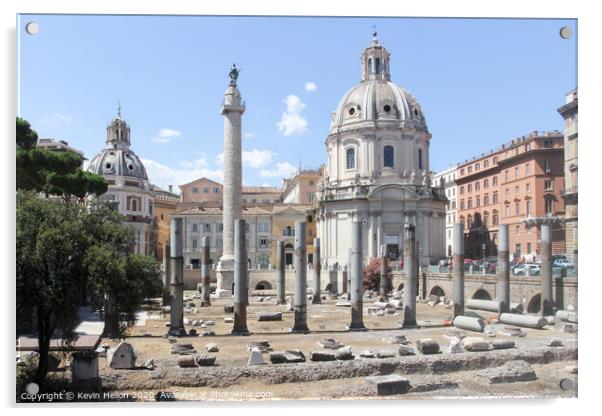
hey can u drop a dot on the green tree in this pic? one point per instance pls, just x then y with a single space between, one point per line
52 172
49 255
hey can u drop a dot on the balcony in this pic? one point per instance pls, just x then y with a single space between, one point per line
569 191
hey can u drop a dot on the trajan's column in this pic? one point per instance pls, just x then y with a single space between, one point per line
232 109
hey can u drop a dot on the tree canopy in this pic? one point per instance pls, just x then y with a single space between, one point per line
52 172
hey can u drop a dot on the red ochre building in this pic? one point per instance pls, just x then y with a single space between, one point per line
521 179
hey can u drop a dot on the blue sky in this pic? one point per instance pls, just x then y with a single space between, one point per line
481 82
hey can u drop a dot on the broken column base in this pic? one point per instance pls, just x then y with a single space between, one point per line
177 332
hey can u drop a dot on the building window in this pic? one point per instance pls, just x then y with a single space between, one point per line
495 198
528 188
194 243
485 183
549 205
207 227
516 173
310 218
546 166
506 175
507 193
195 190
516 190
528 207
486 218
517 229
462 220
195 227
494 181
469 203
216 190
478 201
288 232
161 216
311 183
495 160
389 157
486 200
462 204
220 227
527 169
263 243
469 170
469 188
205 190
528 248
263 260
219 243
351 158
517 208
461 172
264 227
547 185
507 210
477 186
547 144
461 190
420 159
495 218
469 221
486 163
453 204
477 166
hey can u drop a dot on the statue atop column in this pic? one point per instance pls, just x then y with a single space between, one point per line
233 75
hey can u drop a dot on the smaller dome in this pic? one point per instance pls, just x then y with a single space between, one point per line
118 162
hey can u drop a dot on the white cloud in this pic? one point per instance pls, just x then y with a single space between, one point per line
310 86
165 135
163 176
254 158
57 118
282 170
249 135
169 133
292 122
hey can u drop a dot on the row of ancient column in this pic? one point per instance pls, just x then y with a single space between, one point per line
503 271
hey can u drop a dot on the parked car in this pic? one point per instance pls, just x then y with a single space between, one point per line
564 263
521 269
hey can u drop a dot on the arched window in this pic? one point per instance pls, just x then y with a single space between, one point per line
134 205
420 159
369 65
377 66
388 157
195 227
351 158
495 217
486 218
469 221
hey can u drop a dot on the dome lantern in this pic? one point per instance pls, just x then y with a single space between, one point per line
375 62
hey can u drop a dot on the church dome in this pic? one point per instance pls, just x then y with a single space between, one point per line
372 100
376 97
118 162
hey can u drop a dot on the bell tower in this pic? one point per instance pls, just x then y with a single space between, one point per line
118 132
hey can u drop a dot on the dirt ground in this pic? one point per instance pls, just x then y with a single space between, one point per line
329 321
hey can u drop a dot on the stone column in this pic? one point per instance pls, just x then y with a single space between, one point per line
300 325
205 277
176 326
458 270
317 270
280 279
547 302
240 280
333 280
166 274
371 244
356 287
411 274
384 279
348 275
503 269
232 110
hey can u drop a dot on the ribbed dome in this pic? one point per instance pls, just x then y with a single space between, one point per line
373 100
119 162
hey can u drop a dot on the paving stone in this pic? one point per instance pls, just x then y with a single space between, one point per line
294 356
269 316
427 346
187 361
344 354
473 344
405 350
255 358
510 372
367 354
330 343
389 384
212 347
322 356
502 344
205 360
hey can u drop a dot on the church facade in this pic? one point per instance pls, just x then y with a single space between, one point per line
129 188
378 171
